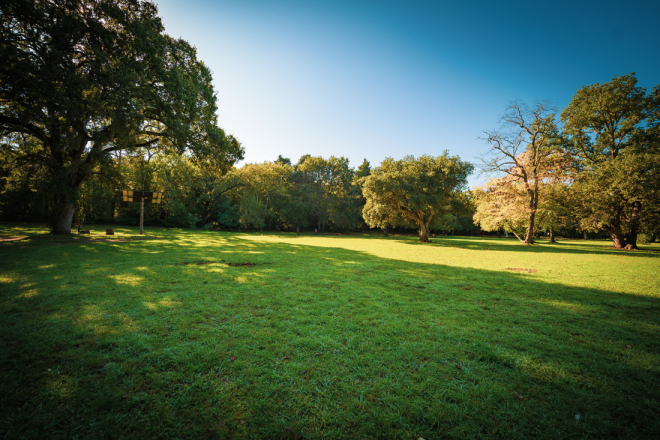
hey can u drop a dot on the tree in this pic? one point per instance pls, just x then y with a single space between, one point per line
283 160
507 202
558 208
87 78
612 132
253 212
25 192
503 203
327 188
363 170
356 192
632 182
413 190
267 182
463 209
523 148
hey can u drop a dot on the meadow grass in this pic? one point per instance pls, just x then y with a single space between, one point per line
201 334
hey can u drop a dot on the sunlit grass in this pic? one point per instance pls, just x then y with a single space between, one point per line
197 334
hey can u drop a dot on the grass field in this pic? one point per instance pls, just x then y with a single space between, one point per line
193 334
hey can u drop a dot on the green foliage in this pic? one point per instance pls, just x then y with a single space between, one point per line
253 212
283 160
262 189
327 186
363 170
645 239
228 215
25 191
193 220
86 78
604 120
612 133
617 185
413 191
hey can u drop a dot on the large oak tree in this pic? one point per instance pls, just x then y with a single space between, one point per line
413 190
86 78
613 130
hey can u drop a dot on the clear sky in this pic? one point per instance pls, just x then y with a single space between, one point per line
372 79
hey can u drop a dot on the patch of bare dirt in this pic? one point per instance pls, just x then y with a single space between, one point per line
201 263
194 263
520 269
241 264
12 238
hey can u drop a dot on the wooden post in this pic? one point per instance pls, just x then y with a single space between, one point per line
142 216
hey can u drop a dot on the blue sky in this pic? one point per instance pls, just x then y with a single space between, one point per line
372 79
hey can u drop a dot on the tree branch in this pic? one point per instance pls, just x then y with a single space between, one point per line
27 128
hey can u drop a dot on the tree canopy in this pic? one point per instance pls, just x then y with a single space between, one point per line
83 79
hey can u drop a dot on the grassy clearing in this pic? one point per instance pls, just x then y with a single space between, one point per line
174 336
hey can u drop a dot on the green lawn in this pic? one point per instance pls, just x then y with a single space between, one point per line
172 336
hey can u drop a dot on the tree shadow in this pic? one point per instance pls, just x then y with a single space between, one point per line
503 244
136 339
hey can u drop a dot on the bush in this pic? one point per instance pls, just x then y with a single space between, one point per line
644 239
194 220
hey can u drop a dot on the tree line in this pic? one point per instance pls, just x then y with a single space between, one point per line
95 97
314 193
595 166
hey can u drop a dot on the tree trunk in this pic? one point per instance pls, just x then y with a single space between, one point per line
617 238
62 220
141 216
529 236
385 233
615 232
631 243
423 233
552 236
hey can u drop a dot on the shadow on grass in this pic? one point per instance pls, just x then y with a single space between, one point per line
541 246
172 339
